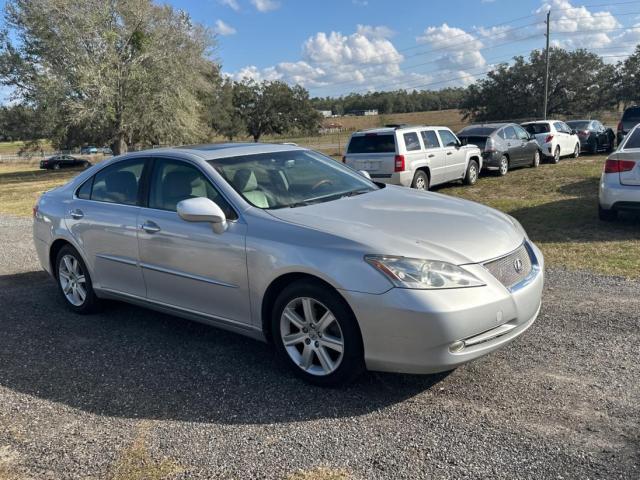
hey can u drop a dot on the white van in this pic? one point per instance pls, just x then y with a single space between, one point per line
419 157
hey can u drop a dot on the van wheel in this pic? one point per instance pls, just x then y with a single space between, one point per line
420 181
316 335
472 173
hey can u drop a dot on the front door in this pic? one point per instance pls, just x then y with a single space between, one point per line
455 157
435 156
186 264
102 218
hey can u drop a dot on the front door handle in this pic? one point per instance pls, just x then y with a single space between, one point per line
431 155
449 153
76 214
150 227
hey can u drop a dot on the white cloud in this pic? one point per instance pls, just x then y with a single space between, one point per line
265 5
360 3
233 4
453 47
223 29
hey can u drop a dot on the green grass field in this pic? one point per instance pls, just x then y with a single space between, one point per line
557 205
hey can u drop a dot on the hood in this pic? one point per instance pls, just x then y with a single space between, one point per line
401 221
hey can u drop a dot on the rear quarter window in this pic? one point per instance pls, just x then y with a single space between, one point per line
634 140
372 143
411 141
535 128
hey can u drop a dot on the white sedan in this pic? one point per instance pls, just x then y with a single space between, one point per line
555 139
620 181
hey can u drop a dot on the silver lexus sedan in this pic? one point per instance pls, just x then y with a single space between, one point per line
285 245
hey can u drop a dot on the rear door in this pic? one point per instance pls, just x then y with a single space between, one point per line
372 152
435 156
528 146
514 145
563 138
413 152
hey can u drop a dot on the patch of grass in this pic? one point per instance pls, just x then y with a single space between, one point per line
558 206
321 473
21 186
136 463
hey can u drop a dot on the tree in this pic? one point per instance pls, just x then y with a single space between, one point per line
269 108
115 71
579 83
629 78
225 118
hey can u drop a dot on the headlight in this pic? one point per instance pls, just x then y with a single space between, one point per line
422 274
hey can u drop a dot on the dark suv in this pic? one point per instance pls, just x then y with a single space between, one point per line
630 118
503 145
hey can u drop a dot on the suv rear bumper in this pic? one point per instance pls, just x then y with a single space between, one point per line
398 178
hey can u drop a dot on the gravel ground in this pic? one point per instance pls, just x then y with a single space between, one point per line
130 393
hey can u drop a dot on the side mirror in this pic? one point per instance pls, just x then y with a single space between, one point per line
202 209
573 131
365 174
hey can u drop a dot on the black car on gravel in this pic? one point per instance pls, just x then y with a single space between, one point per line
594 136
503 145
63 161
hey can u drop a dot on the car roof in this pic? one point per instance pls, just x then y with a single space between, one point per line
213 151
381 130
489 125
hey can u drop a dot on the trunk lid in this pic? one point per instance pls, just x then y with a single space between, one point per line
629 177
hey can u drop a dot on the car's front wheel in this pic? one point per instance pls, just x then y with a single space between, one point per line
316 334
471 176
74 281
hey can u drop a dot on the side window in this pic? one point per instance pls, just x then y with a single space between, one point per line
411 141
559 127
522 135
118 183
84 192
173 181
502 134
448 138
430 139
510 133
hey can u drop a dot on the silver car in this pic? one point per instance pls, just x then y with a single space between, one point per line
620 180
285 245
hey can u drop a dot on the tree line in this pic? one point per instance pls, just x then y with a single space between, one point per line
129 73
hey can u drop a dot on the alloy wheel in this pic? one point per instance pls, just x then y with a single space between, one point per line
72 280
556 155
536 159
312 336
421 184
576 151
504 166
473 174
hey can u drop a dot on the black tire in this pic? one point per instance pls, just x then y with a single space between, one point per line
593 147
471 176
556 155
503 166
535 163
56 166
86 165
576 151
91 302
607 215
420 181
352 362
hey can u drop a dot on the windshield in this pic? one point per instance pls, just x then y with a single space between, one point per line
631 114
579 124
290 179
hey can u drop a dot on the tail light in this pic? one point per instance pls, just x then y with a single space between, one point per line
584 133
620 127
399 163
490 146
548 139
619 166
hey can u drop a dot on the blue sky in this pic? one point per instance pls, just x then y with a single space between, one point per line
334 47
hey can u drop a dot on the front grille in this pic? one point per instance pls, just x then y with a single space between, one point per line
506 270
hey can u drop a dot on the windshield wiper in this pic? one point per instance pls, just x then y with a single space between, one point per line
328 198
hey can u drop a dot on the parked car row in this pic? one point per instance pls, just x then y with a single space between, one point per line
424 156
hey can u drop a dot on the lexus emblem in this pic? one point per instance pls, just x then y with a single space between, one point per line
517 265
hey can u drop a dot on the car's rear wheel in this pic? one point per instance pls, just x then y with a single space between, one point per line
556 155
535 163
503 166
74 281
593 147
607 215
56 166
420 181
316 334
471 177
576 151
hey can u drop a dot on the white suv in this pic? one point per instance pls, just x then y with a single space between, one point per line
419 157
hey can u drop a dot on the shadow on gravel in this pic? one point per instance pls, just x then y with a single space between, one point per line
135 363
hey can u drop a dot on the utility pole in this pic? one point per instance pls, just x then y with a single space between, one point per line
546 77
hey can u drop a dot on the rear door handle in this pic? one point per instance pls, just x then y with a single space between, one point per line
150 227
76 214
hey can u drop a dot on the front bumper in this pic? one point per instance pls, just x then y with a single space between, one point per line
614 195
415 331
